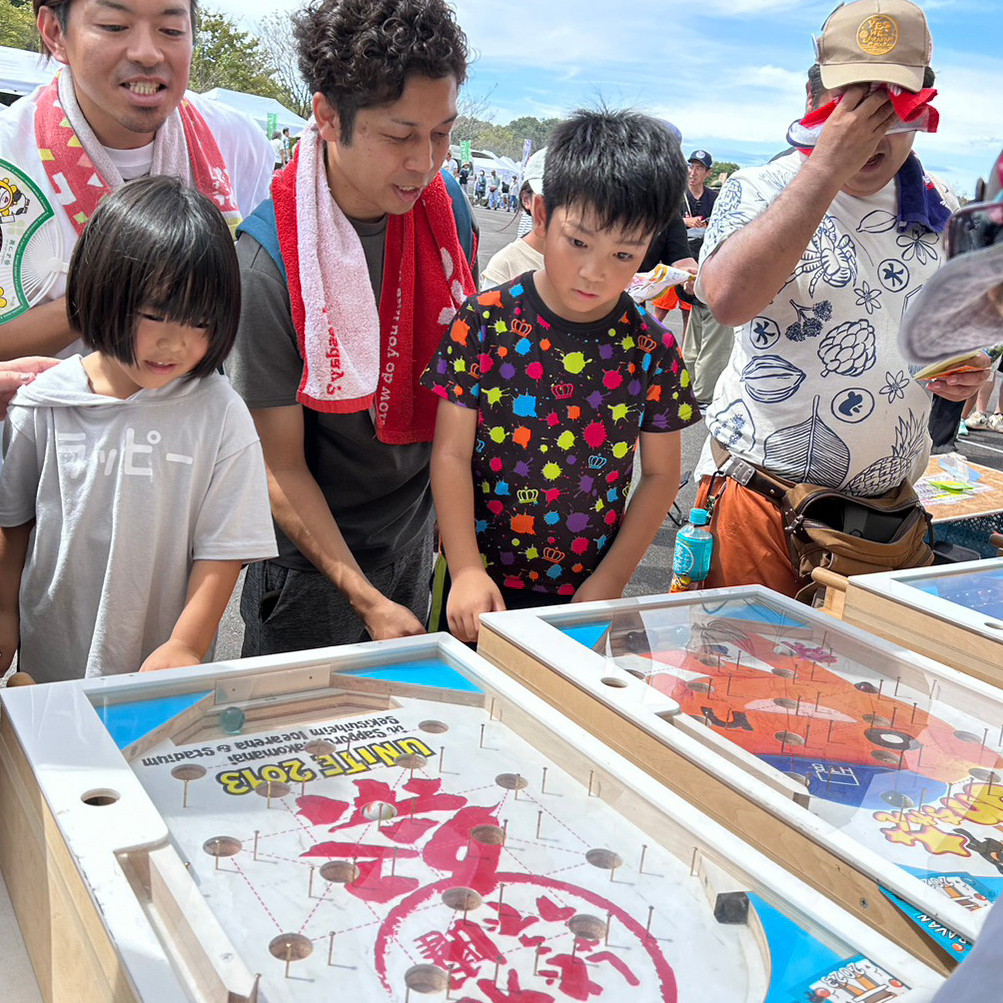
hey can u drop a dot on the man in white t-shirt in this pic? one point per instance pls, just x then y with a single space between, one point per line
814 259
119 111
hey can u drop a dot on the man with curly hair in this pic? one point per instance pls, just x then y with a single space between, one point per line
351 273
814 258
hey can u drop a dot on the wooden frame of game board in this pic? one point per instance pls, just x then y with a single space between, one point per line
108 911
731 786
888 606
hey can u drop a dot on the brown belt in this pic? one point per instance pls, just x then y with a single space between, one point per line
747 475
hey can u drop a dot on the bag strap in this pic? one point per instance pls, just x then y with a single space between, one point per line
749 476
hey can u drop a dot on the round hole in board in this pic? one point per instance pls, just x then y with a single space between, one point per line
789 738
605 860
990 776
897 799
488 835
587 927
461 899
98 799
411 761
798 778
339 872
290 947
617 684
967 736
426 979
434 727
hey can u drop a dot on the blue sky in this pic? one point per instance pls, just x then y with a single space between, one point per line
728 73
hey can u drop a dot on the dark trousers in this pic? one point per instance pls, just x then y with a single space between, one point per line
945 417
288 610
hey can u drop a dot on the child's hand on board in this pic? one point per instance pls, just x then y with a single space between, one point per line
10 637
170 655
387 620
596 586
471 593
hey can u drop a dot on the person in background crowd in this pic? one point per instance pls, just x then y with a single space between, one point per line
121 90
816 389
494 196
525 253
708 343
351 273
278 149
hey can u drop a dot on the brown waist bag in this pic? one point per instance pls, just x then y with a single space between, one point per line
853 536
845 534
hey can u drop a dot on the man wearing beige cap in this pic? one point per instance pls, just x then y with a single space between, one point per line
814 258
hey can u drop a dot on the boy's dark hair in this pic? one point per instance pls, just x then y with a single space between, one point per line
154 245
817 90
625 166
359 53
61 11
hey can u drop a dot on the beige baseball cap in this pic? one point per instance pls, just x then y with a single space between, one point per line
875 40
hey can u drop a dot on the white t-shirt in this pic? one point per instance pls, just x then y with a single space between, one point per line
126 495
132 164
246 152
510 262
816 388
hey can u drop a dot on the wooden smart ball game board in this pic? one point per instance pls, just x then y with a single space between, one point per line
953 613
871 772
396 821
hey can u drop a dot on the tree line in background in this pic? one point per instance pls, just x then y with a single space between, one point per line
266 64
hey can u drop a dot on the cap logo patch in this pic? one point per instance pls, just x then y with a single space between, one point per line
878 35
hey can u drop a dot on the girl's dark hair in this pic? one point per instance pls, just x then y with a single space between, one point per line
526 192
625 166
154 245
359 53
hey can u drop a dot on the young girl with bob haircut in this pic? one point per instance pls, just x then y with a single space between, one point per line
133 486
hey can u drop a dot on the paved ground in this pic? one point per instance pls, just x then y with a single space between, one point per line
499 228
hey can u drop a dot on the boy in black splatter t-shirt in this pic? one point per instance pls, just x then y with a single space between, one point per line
549 382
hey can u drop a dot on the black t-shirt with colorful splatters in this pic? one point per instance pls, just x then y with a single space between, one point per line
560 408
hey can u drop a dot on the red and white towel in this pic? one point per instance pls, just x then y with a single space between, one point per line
357 356
914 113
79 167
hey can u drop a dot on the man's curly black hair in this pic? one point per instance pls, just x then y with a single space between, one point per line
359 53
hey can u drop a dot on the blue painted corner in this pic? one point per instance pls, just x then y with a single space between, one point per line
129 722
588 634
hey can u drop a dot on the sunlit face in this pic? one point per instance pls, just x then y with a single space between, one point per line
130 61
697 174
395 151
165 352
891 153
585 268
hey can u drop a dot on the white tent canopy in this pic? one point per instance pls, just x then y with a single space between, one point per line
258 108
22 71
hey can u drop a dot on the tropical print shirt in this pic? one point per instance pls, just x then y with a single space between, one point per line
816 389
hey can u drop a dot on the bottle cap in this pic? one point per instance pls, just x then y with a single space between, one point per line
698 516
